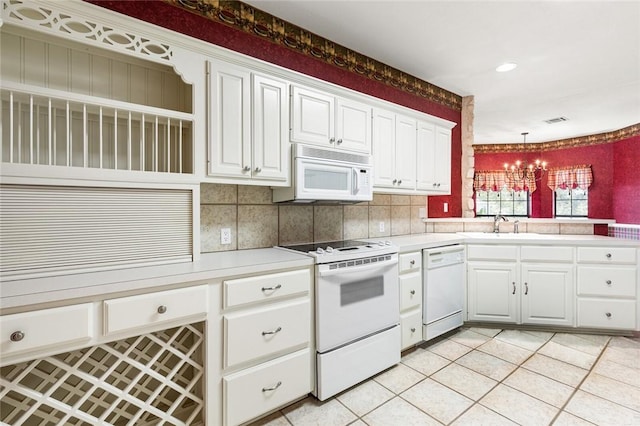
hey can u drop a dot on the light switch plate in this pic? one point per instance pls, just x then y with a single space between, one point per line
381 227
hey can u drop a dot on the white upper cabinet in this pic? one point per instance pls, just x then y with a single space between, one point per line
248 126
320 118
394 151
434 159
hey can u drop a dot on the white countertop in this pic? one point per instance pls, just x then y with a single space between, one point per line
415 242
211 266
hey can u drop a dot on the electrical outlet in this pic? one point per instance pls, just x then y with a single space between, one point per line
225 236
446 207
381 227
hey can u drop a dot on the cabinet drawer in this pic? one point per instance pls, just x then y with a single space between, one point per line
47 327
607 313
606 255
265 331
266 287
409 262
606 281
410 291
546 254
492 252
411 328
254 391
138 311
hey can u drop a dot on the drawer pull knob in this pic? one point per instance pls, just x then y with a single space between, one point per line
162 309
526 289
277 330
608 255
258 169
608 282
514 287
274 288
339 141
608 314
272 388
246 168
413 329
413 292
16 336
413 262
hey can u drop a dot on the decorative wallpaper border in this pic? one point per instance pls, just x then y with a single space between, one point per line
602 138
253 21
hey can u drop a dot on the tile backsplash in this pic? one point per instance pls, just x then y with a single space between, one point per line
257 222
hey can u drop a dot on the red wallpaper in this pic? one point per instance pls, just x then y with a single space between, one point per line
167 16
626 180
614 192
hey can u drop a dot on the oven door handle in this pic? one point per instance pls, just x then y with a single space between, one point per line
370 268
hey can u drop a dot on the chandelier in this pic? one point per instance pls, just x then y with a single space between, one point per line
523 171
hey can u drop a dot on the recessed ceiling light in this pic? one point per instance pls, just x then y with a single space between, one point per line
507 66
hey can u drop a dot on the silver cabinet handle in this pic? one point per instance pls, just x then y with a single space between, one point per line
332 140
526 289
395 181
413 329
413 262
274 288
258 169
339 141
438 184
162 309
412 292
608 255
272 388
246 169
277 330
399 181
608 314
514 287
608 282
16 336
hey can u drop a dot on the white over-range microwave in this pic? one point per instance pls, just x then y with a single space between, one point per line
321 174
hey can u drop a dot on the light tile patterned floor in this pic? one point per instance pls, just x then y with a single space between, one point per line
482 376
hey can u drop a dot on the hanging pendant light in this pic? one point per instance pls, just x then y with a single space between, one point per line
524 171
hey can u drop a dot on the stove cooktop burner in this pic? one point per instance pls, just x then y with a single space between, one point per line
331 251
336 245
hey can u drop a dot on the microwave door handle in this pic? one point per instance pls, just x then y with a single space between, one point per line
356 181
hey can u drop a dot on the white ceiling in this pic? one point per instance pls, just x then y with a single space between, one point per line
576 59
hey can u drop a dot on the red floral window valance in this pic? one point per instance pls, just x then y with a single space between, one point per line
496 180
570 177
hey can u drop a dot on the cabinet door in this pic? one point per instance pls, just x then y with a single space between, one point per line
442 156
312 116
434 159
492 292
547 294
353 126
384 153
405 152
426 148
271 151
230 121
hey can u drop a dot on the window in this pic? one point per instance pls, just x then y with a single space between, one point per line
504 202
571 202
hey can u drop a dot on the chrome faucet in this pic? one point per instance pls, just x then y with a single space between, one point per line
516 225
496 222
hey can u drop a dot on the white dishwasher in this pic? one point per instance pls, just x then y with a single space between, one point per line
443 290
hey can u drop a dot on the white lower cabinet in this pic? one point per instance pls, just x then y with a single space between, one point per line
46 328
548 295
257 390
492 292
410 282
267 352
607 288
504 287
